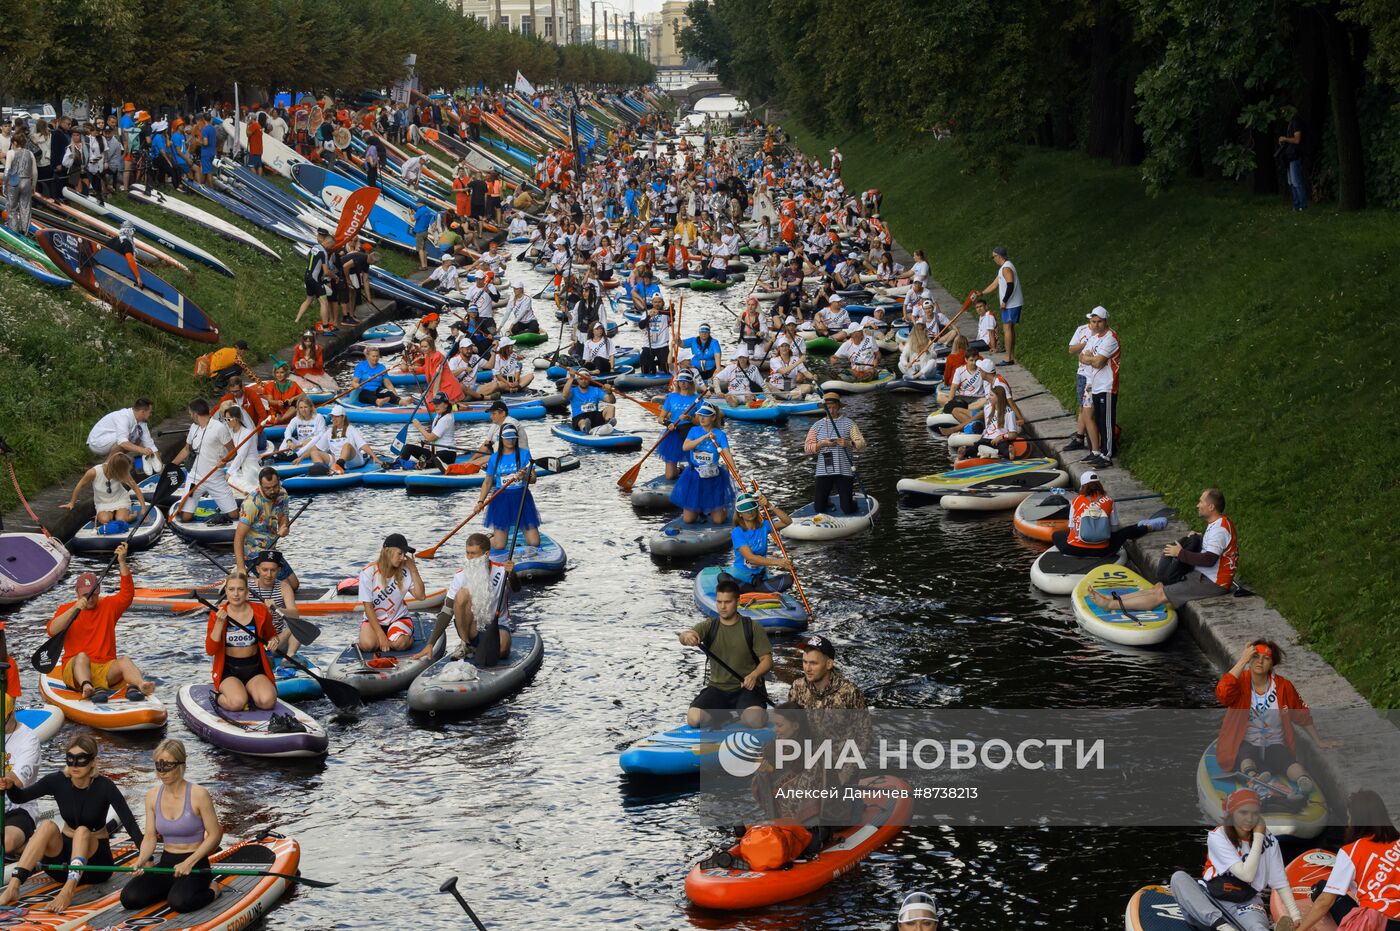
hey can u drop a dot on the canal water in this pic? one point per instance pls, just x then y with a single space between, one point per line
526 802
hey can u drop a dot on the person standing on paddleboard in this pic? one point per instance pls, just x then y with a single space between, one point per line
735 642
832 440
211 445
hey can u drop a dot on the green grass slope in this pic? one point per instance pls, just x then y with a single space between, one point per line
1259 355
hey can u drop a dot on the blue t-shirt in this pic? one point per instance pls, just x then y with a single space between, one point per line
209 139
757 542
422 219
177 149
591 398
676 404
647 291
501 466
703 356
375 374
705 457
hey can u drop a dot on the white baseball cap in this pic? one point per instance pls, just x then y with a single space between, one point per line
504 342
986 365
518 285
790 319
1101 312
337 411
1088 477
854 328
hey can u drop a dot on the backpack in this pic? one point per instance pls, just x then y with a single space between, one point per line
1094 524
712 632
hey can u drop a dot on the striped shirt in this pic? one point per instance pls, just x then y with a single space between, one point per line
834 460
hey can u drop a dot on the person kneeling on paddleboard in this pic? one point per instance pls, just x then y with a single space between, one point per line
1242 860
470 602
187 839
592 408
736 643
1093 523
90 662
235 638
384 589
750 537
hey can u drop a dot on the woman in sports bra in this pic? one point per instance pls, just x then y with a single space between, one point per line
182 815
235 638
79 835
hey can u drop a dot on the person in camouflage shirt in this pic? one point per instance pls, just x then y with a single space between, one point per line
836 709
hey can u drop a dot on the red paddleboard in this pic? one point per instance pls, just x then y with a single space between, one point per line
1306 870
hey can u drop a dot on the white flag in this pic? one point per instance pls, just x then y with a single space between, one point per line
522 85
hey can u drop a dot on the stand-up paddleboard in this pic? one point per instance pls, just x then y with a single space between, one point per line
30 564
972 474
1307 870
106 275
250 732
882 379
1138 627
276 155
272 222
777 613
1042 514
452 686
654 494
202 217
156 233
115 713
1299 817
352 665
1057 573
1154 908
679 539
33 267
832 523
58 215
685 750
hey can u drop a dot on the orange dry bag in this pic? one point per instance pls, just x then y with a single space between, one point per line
773 846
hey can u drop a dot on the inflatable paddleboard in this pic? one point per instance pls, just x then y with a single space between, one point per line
1057 573
1135 628
39 270
546 562
89 540
1154 908
1042 514
832 524
679 539
452 686
117 713
249 732
779 613
292 683
203 218
30 564
616 441
841 386
654 494
685 750
351 666
971 474
1307 870
44 722
1213 786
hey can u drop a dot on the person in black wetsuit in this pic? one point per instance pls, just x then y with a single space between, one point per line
79 836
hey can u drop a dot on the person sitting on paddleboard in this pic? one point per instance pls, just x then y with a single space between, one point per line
592 408
598 351
1093 523
971 385
112 486
1363 872
1242 860
832 321
704 487
432 370
1256 737
1208 572
267 586
438 449
339 446
308 359
917 359
281 394
507 511
751 538
741 644
370 374
385 585
751 326
470 600
918 912
788 377
705 353
79 836
859 351
300 430
741 379
507 373
1001 428
788 335
21 766
209 441
182 815
90 661
520 310
236 635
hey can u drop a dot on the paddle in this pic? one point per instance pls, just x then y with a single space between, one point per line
431 552
933 340
629 478
341 694
451 886
5 665
212 871
729 669
305 631
854 473
47 656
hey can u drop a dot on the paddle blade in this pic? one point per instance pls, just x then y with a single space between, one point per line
305 631
629 478
164 494
46 657
652 406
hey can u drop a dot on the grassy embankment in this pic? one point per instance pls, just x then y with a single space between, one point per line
1259 355
68 360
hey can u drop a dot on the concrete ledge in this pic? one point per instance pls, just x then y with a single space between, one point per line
64 524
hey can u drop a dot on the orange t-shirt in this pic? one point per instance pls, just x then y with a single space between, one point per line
255 138
94 632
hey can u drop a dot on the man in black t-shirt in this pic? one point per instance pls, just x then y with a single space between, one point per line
1291 153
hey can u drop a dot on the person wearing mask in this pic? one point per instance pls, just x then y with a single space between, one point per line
181 814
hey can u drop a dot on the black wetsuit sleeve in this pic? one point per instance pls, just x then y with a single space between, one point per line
112 796
1197 559
36 789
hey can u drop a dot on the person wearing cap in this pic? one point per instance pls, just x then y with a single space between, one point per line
444 278
822 690
1098 405
740 380
385 586
971 386
512 509
846 274
210 445
1243 850
717 265
267 586
705 352
500 419
481 296
788 376
597 352
372 377
788 334
520 311
592 408
262 523
507 373
1001 427
656 337
677 416
466 361
704 487
832 321
439 440
339 446
1009 297
859 352
1092 529
832 439
918 911
317 280
750 537
733 642
90 661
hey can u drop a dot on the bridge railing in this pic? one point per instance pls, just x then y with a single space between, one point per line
681 79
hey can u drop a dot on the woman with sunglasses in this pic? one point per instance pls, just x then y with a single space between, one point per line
1242 860
79 836
182 815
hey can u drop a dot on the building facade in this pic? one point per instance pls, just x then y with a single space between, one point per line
673 20
552 20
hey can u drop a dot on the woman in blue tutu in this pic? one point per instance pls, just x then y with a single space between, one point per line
507 460
704 487
678 409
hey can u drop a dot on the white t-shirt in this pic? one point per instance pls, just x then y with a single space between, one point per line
740 380
1106 345
1265 721
506 367
834 319
388 602
919 272
444 430
986 326
1221 855
1081 335
597 349
863 353
118 427
780 381
332 445
495 432
1215 540
22 759
210 443
300 432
